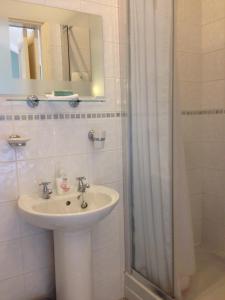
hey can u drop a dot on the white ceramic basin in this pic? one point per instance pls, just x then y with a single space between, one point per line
65 212
72 235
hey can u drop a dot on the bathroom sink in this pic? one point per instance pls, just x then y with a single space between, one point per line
72 226
65 212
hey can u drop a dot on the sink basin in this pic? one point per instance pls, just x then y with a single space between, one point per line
65 212
72 234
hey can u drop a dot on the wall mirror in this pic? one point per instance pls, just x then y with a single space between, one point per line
44 49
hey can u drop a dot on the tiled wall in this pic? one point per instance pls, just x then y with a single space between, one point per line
213 96
26 253
188 92
204 130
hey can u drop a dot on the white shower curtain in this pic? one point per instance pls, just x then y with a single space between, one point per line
151 141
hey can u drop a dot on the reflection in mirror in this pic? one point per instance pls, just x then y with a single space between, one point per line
25 50
28 41
50 49
76 53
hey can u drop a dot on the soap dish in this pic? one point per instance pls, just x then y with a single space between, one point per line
17 141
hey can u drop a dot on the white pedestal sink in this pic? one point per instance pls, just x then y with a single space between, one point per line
72 235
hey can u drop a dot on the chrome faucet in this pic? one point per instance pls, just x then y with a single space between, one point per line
81 185
46 191
82 189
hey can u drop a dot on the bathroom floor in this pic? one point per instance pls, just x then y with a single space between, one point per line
208 283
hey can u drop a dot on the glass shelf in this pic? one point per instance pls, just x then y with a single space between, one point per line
33 101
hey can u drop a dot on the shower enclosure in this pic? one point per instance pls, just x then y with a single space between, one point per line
148 151
159 226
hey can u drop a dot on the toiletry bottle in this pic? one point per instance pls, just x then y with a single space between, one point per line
62 183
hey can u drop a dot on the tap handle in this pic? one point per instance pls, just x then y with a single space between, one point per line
45 183
81 182
81 178
46 189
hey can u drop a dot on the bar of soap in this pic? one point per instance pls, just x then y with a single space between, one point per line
63 93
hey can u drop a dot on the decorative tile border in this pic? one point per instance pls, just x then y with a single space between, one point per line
59 116
203 112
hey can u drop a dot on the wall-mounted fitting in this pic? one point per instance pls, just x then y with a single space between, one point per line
17 141
74 103
97 137
32 101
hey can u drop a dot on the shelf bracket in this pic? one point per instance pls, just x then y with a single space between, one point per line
32 101
74 103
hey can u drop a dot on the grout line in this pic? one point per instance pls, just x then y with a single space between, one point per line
26 273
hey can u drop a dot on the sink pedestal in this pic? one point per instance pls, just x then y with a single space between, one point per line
73 265
72 234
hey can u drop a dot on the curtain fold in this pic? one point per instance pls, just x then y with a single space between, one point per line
151 140
151 178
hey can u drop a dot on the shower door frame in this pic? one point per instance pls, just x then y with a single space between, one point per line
136 286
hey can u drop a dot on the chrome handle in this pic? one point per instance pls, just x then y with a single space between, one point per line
45 183
81 185
46 189
81 178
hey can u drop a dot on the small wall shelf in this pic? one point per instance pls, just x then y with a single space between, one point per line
33 100
17 141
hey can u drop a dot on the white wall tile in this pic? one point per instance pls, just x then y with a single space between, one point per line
9 228
70 137
219 10
195 181
66 4
212 10
12 288
213 235
37 251
7 153
190 95
108 275
213 182
213 94
109 54
192 11
10 259
40 283
8 182
213 36
208 11
5 106
106 166
214 208
200 43
213 65
204 135
188 37
27 229
213 155
197 217
39 133
193 155
189 66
